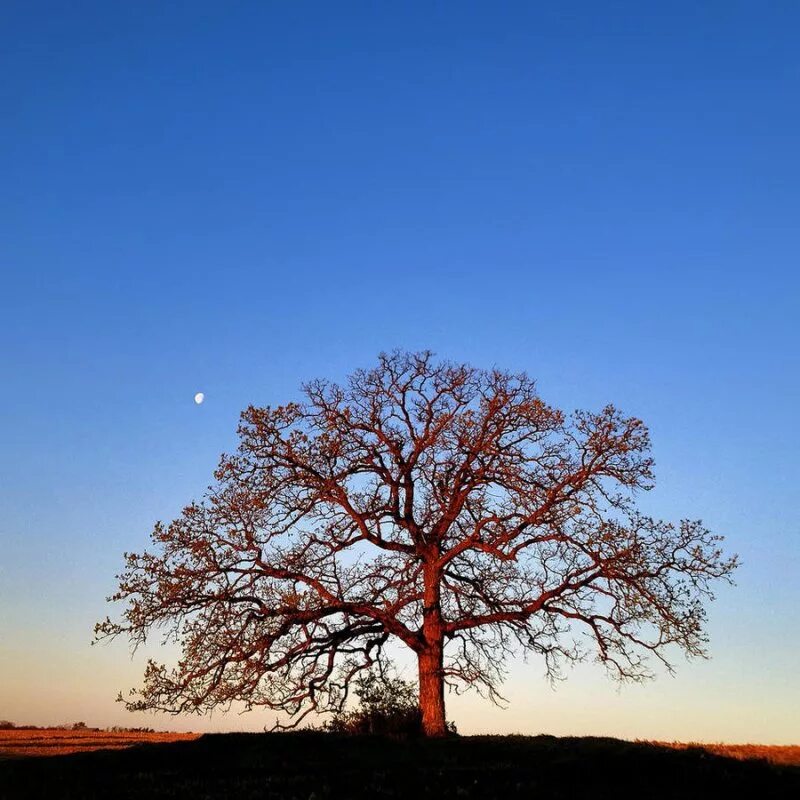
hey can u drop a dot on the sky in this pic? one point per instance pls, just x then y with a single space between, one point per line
235 198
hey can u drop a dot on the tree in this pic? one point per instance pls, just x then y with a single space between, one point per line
437 505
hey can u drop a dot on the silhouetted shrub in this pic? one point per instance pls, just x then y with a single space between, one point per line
386 707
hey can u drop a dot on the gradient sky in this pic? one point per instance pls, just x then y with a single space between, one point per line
236 197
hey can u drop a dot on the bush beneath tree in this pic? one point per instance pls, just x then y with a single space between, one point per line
386 707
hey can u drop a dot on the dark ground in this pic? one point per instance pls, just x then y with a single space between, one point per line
317 766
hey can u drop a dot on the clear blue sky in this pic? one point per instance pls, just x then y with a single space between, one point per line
236 197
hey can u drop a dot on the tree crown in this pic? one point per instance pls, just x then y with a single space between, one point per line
419 500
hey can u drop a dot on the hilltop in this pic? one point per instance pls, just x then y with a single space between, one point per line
314 765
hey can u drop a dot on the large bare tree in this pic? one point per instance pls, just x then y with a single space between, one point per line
442 506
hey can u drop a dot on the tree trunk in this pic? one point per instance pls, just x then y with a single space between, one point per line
431 658
431 692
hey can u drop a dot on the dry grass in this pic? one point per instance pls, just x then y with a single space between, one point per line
56 742
51 741
316 764
775 754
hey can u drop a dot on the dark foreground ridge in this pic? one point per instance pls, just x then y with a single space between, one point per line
319 766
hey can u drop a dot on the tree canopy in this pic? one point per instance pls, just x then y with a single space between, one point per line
435 504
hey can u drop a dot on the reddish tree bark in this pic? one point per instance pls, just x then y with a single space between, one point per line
440 506
431 654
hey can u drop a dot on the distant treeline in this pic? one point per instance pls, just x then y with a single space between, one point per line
7 725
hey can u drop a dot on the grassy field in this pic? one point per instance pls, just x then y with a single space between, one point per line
317 766
56 742
775 754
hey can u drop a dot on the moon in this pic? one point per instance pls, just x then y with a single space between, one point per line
199 397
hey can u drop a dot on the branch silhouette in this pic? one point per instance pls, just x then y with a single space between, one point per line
440 505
